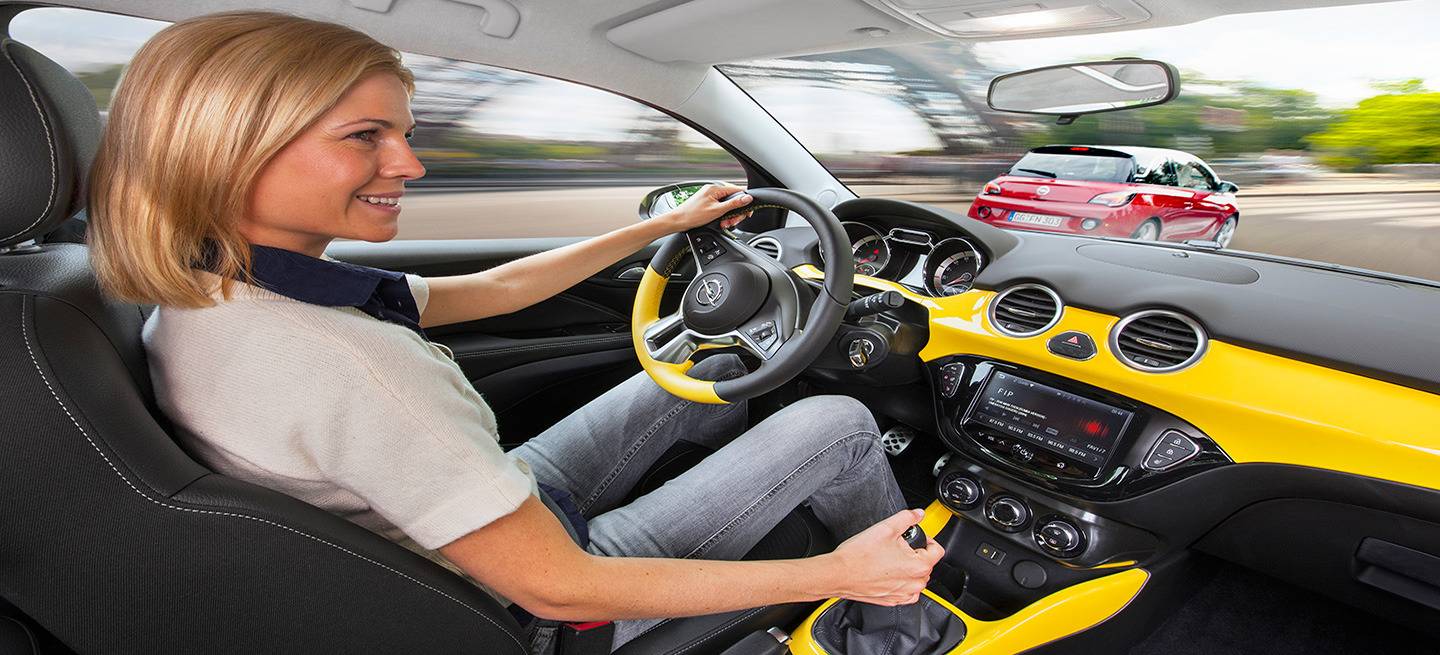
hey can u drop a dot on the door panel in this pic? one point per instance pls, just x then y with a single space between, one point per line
537 365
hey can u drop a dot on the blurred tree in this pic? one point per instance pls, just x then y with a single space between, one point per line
101 83
1401 126
1232 117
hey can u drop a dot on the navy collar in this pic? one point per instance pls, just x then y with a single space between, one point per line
380 293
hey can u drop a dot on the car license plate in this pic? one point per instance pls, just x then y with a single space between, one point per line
1036 219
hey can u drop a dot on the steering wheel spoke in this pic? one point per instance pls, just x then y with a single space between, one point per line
668 340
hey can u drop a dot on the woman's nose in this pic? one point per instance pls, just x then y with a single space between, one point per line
401 162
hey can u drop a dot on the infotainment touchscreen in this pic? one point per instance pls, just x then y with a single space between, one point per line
1081 431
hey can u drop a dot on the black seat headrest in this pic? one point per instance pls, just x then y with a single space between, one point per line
49 130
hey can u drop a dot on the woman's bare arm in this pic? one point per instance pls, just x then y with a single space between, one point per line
519 284
528 557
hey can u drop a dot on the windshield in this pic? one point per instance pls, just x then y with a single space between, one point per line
1273 146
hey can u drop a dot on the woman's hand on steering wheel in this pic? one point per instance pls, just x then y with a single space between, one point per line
708 204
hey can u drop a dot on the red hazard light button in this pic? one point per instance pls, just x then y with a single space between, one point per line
1075 345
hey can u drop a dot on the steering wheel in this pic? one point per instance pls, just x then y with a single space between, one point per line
741 297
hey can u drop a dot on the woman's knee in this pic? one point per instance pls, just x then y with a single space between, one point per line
833 417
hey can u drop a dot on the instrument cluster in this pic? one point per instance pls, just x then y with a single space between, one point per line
920 259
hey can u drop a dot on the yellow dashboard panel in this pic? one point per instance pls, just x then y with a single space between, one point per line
1258 407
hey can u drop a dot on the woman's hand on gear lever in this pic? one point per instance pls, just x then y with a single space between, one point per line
708 204
876 566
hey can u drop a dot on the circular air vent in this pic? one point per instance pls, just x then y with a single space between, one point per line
768 245
1025 310
1158 341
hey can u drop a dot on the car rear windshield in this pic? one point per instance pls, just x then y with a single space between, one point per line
1090 166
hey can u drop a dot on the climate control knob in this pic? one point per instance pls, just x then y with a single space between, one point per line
1059 537
961 492
1008 513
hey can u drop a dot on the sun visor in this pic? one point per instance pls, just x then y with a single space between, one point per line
720 31
988 19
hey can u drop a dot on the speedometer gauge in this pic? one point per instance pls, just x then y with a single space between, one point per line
872 254
952 267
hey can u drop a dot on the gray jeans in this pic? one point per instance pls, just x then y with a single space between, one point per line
824 450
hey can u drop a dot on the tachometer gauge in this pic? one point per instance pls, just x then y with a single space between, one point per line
951 267
872 254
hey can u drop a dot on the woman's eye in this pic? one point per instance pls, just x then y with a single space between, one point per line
409 135
365 135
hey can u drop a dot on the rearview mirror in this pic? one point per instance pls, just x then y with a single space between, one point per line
1070 90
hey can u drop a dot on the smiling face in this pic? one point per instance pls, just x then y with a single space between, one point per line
343 177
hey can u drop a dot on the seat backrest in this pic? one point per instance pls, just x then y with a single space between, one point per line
113 539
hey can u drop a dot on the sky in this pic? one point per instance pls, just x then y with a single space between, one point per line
1335 52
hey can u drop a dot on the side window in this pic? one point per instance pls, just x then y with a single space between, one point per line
1163 173
507 154
1193 176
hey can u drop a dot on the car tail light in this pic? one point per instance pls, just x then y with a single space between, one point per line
983 211
991 189
1113 198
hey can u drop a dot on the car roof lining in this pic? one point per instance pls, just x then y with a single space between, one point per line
658 51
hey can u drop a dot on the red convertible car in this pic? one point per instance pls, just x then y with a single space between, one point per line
1120 191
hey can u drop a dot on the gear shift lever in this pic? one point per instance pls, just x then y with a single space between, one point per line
914 536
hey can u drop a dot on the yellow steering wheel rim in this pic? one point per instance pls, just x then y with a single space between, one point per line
670 377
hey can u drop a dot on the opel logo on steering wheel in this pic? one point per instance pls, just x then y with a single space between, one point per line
710 291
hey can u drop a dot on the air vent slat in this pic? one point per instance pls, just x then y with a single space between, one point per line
1047 307
1169 358
1164 332
1158 341
1025 310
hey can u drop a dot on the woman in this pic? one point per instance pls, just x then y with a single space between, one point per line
238 146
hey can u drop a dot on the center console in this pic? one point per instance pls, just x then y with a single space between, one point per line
1061 434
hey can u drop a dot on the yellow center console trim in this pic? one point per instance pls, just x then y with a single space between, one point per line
1258 407
670 377
1059 615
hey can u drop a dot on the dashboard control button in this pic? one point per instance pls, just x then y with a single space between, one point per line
1171 449
1022 453
1072 344
1028 574
951 375
1008 513
990 553
1059 537
961 492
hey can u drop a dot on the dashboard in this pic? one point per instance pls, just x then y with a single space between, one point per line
1107 403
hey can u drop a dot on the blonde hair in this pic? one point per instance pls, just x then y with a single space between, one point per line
201 109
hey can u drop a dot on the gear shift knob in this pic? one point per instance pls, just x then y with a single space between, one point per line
914 536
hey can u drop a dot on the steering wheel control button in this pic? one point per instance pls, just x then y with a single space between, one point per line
724 297
1072 344
1059 537
1173 448
707 247
1029 575
1008 513
961 492
990 554
763 334
951 375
